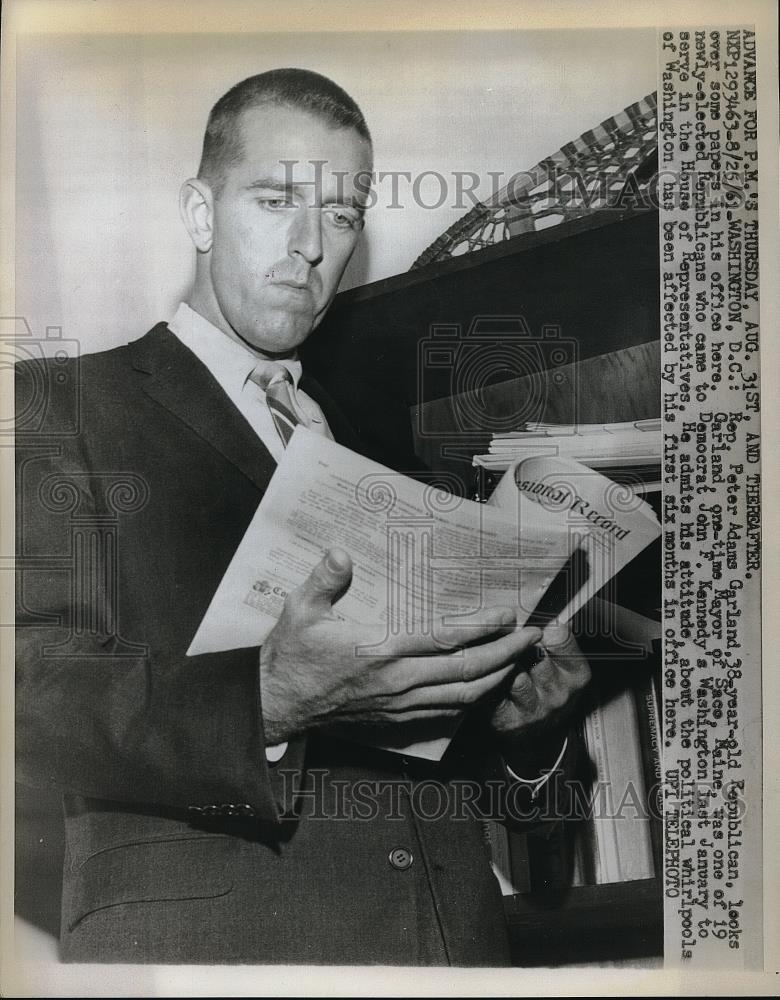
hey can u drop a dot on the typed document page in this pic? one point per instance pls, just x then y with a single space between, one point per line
419 553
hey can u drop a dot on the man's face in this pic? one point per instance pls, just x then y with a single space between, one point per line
281 241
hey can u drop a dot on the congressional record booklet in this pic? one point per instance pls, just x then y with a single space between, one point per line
552 535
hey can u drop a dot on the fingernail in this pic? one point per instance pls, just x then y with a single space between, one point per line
556 635
335 561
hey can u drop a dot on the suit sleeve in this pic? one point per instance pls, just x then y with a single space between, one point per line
96 715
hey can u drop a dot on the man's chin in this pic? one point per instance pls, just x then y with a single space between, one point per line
280 335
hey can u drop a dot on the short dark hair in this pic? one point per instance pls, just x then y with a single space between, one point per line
294 88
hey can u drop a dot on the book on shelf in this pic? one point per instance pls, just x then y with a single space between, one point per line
623 835
648 719
627 792
618 836
604 837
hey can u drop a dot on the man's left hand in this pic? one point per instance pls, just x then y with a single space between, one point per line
529 721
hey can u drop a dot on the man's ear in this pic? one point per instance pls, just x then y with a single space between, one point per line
196 204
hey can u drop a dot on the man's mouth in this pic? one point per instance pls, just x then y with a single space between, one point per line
291 283
292 290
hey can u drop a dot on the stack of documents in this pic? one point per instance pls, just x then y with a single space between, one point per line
614 445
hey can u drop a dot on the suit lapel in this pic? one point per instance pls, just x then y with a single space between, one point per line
340 427
180 382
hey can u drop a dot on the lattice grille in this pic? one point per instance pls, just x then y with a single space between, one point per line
611 165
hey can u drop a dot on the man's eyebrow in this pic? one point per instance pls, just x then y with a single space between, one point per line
272 184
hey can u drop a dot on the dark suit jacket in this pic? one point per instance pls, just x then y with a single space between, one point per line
136 481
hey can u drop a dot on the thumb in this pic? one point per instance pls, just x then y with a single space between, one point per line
327 580
557 636
558 641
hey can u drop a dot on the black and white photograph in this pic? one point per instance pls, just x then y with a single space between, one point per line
382 522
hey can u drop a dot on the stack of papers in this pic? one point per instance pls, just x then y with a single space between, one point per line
628 444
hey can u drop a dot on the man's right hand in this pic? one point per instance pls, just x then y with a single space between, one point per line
317 671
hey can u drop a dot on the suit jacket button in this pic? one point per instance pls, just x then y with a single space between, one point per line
400 858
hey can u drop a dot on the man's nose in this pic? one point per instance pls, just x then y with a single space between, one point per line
305 235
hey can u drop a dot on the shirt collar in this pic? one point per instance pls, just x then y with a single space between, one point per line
230 361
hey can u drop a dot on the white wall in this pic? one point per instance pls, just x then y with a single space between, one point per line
109 125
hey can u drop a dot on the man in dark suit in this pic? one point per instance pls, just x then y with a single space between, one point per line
212 812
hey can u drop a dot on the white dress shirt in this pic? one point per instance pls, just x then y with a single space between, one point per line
231 362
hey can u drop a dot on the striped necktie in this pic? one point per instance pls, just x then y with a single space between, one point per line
277 383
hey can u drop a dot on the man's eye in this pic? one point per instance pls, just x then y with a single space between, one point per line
276 203
342 219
